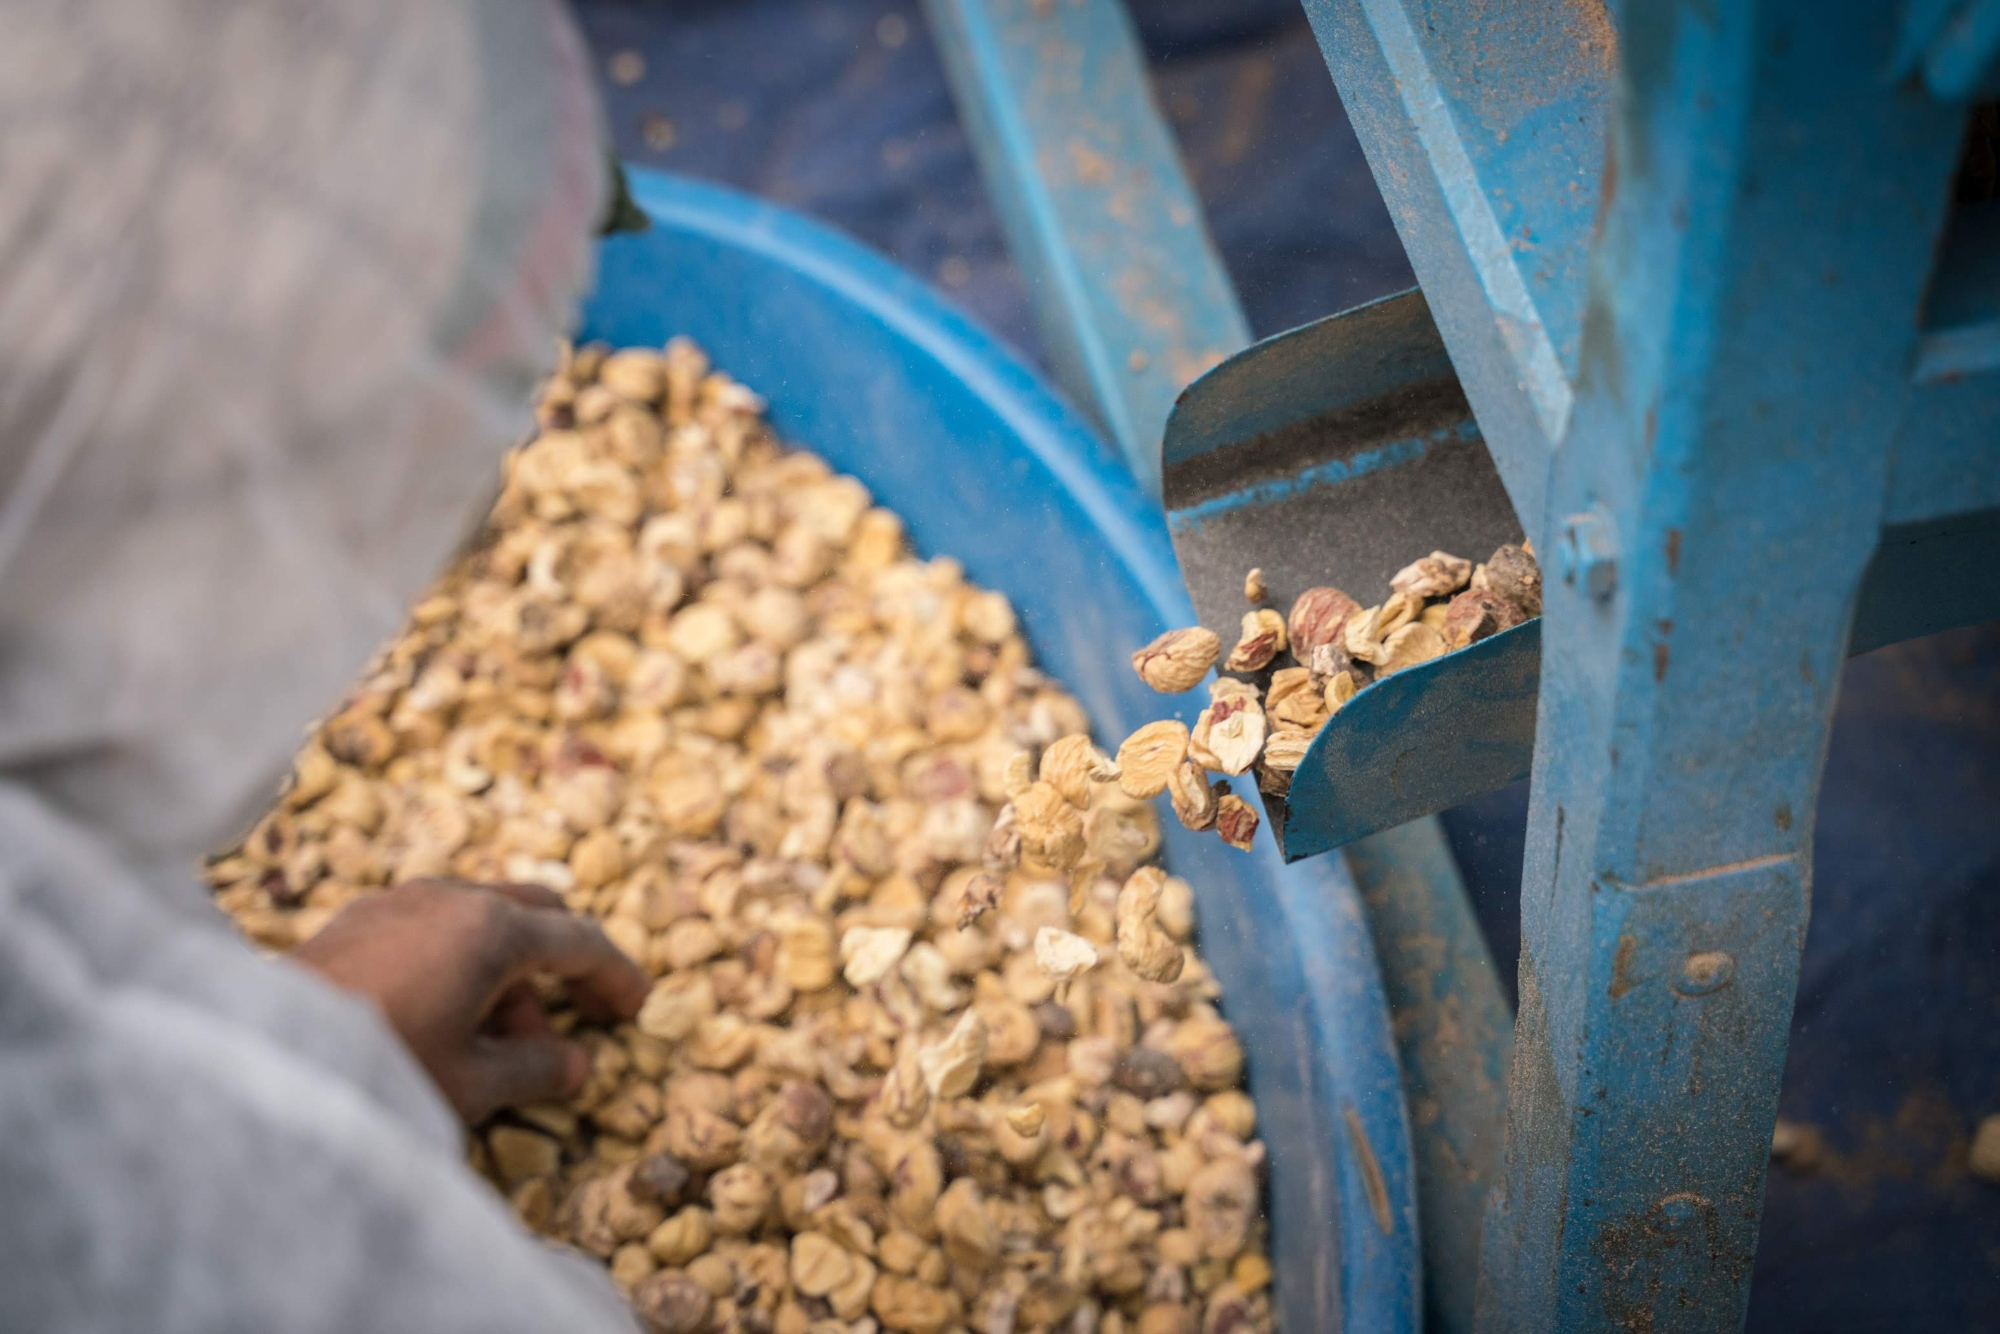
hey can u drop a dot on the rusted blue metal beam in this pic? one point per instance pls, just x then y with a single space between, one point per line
1484 126
1329 453
1129 295
1772 207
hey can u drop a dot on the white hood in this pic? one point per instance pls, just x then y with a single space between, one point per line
275 281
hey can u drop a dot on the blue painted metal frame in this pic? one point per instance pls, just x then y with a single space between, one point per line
1695 271
1733 393
1753 316
1485 130
1315 447
865 364
1130 297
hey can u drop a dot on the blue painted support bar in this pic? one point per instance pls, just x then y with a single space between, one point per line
1753 318
1485 130
1129 294
1463 725
1454 1034
1941 535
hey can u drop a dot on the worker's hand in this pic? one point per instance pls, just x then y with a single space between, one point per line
449 965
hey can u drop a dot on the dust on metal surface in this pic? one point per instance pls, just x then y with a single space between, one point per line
1484 125
1453 1033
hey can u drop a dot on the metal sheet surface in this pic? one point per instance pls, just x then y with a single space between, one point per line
1335 454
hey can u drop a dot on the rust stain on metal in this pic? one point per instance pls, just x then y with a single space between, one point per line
1782 817
1090 166
1637 1250
1371 1170
1621 967
1189 366
1597 35
1673 552
1607 190
1249 96
1727 868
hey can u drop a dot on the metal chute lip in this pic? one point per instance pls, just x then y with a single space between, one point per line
1417 710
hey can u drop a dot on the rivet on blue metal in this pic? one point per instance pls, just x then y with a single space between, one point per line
1587 554
1705 971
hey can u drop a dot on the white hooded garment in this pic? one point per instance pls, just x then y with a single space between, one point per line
275 281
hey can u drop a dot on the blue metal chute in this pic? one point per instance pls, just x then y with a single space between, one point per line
1376 761
1334 454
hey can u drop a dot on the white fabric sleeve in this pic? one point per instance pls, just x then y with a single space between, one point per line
194 1139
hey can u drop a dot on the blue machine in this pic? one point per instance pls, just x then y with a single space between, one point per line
864 363
1703 316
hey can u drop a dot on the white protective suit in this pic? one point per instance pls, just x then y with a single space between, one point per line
275 281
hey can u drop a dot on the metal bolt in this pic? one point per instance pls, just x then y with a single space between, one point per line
1588 554
1705 971
1680 1209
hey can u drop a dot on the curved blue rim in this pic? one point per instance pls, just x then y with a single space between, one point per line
1059 436
1336 1005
